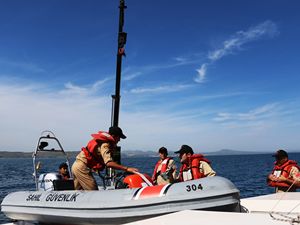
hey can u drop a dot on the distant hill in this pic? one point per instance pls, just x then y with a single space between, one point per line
72 154
233 152
7 154
138 153
236 152
127 154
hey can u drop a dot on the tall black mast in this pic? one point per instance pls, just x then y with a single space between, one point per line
121 52
116 97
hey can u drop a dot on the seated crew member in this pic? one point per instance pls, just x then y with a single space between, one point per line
63 171
96 156
165 169
285 174
194 166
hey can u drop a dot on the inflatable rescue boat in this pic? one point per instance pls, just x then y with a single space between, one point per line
130 199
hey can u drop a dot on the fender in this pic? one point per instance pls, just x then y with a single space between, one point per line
136 181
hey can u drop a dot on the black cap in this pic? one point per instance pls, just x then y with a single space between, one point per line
185 149
280 154
63 165
116 131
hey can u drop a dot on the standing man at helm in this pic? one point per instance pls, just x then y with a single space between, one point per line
194 166
97 155
285 174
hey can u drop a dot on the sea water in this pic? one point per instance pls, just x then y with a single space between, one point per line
247 172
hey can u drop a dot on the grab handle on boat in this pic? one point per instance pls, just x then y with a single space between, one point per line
144 178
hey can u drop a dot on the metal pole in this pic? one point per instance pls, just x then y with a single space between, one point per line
121 52
116 97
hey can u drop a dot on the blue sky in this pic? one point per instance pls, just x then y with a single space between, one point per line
210 74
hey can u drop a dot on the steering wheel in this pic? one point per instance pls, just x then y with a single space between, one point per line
119 177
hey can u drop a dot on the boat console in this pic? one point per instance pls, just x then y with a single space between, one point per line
54 182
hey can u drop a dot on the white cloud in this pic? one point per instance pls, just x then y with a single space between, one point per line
100 83
130 73
131 76
181 59
201 73
266 29
27 66
160 89
26 110
71 89
257 113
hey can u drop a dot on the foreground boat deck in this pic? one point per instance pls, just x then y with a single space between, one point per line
272 209
288 203
193 217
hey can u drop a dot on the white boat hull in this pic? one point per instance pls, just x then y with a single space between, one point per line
121 205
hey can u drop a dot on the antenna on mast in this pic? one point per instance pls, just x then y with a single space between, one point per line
122 36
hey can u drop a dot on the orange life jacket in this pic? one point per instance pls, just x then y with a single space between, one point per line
164 166
90 151
283 170
192 166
